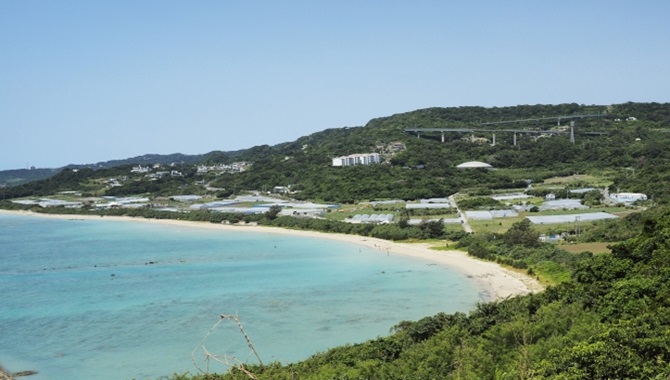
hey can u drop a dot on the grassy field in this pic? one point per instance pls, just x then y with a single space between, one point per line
493 226
598 180
502 225
586 247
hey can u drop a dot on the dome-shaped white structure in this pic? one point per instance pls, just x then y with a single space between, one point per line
474 165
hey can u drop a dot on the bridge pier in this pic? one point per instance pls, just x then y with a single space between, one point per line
494 140
514 138
443 137
572 132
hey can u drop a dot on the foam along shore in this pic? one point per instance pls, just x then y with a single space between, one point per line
499 282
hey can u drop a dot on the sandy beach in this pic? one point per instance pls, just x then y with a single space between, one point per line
498 281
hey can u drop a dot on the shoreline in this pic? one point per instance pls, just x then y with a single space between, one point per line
4 375
500 282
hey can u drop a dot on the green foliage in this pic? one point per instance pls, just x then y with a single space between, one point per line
20 176
521 233
479 202
65 180
592 198
272 213
520 248
432 229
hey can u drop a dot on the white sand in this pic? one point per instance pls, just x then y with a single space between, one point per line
498 281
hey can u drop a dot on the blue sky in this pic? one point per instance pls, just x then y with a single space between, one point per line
88 81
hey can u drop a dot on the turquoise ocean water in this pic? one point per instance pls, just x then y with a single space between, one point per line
102 299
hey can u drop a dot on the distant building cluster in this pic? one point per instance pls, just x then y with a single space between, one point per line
161 174
358 159
235 167
48 203
141 169
157 174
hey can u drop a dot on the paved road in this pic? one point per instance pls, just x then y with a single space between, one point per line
461 215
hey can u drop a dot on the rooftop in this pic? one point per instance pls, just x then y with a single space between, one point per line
474 165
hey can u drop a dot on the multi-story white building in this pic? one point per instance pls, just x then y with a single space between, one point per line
357 159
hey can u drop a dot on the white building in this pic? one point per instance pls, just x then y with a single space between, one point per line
628 197
281 190
474 165
186 198
358 159
140 169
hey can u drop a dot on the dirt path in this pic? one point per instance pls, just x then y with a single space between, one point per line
461 215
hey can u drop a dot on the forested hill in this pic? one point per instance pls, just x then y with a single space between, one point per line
426 166
20 176
147 159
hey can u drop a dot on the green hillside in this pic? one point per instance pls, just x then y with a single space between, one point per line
426 167
631 154
20 176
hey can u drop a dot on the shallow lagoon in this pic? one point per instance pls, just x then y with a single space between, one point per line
122 300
